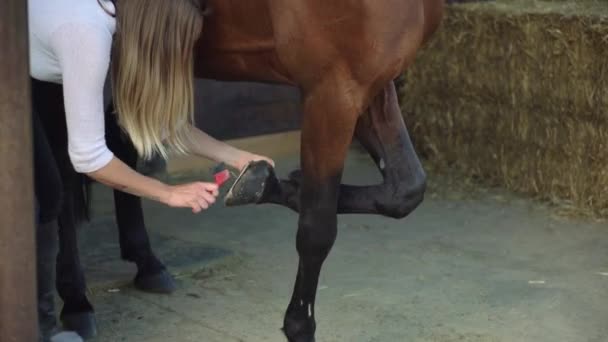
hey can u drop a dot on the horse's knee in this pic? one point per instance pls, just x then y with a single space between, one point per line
317 233
404 199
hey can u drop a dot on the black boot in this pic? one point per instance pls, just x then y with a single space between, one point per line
152 276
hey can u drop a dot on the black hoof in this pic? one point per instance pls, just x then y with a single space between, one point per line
83 323
252 185
159 282
299 338
299 330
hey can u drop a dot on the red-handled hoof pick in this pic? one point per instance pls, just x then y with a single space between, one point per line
221 174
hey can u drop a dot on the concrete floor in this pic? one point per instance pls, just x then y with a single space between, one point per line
469 265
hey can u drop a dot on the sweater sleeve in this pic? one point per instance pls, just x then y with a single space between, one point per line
83 52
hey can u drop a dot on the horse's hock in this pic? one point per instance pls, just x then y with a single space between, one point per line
516 93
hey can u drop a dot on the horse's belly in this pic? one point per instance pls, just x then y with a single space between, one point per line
254 67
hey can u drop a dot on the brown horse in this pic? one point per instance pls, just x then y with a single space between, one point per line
343 56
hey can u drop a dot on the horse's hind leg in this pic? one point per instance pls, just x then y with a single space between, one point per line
383 133
152 275
327 131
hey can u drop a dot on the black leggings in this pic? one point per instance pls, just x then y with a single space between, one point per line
48 191
48 187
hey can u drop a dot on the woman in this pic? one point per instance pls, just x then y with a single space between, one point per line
150 43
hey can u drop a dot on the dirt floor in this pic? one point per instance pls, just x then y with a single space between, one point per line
471 264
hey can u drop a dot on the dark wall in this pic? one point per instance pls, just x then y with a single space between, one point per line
228 110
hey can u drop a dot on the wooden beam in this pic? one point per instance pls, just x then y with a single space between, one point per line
18 318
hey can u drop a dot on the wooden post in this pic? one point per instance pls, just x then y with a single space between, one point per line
18 318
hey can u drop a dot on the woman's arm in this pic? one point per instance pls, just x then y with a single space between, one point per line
83 51
206 146
197 195
118 175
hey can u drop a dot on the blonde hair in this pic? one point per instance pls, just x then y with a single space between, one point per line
152 72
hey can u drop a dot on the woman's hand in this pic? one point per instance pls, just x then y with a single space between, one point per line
198 196
250 157
207 147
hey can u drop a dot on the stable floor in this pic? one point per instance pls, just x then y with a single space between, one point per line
471 264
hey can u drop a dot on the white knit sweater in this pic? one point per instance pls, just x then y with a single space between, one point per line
70 42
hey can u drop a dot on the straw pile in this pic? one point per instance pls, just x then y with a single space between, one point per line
515 92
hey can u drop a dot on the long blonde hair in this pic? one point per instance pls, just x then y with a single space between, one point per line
152 72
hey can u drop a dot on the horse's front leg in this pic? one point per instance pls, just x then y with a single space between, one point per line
384 135
327 130
382 132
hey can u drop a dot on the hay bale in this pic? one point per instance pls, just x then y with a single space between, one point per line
516 93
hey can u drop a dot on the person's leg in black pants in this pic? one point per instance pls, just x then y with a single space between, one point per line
48 187
152 275
77 313
48 191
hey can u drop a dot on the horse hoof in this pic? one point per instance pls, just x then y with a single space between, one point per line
250 187
299 330
161 282
299 338
83 323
